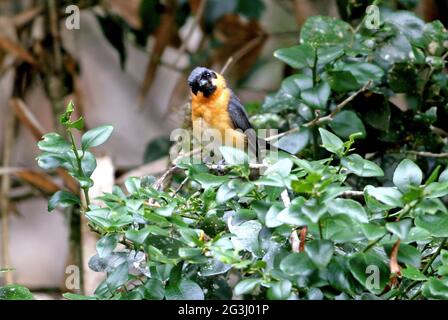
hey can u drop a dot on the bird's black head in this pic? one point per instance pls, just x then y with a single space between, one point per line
201 79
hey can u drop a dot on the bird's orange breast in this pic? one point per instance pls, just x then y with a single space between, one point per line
213 110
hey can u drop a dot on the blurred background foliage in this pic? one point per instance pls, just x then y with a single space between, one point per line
138 83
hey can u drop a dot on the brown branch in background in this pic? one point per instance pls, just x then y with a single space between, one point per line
16 50
190 33
242 52
320 120
26 16
27 118
37 179
54 28
8 143
162 37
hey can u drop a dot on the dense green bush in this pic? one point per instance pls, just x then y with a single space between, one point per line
352 217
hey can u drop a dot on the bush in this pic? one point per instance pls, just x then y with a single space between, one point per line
329 224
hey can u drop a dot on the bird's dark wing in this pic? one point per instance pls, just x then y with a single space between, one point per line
237 113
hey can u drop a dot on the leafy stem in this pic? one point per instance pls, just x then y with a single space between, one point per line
79 163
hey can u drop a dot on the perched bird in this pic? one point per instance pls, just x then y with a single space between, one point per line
215 106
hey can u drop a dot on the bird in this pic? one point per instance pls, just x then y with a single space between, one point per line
215 106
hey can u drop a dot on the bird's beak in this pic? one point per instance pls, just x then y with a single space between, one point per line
203 82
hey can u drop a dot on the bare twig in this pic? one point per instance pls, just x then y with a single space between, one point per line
26 16
180 186
429 154
352 194
320 120
16 50
439 131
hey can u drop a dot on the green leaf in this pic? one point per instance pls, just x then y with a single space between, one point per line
271 216
400 228
323 31
339 275
363 71
298 57
296 264
64 199
137 236
361 167
413 273
106 245
320 252
342 81
154 289
234 156
370 271
54 143
349 208
341 229
436 289
444 176
373 231
282 168
246 286
294 142
118 277
74 296
190 236
295 84
328 54
246 235
407 173
15 292
435 224
95 137
346 123
132 184
317 97
387 195
331 142
293 214
166 211
208 180
280 290
436 189
184 290
225 193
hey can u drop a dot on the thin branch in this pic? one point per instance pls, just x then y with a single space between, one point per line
320 120
353 194
429 154
439 131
